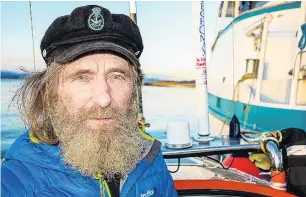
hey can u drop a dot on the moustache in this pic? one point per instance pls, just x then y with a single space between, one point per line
97 112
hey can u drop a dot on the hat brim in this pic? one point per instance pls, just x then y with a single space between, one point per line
72 53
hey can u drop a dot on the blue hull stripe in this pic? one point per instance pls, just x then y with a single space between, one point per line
287 6
265 118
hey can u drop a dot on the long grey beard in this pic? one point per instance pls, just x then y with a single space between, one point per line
113 149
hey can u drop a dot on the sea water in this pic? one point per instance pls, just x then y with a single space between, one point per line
160 105
11 123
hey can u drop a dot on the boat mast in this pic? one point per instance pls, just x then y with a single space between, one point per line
132 4
133 11
200 66
32 36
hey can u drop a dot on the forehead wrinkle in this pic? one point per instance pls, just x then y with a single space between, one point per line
95 61
88 62
112 61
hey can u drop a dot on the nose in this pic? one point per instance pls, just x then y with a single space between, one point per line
102 95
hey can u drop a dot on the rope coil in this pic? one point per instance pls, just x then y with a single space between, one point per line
302 42
275 136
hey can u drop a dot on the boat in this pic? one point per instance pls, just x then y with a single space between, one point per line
251 39
212 178
257 68
256 73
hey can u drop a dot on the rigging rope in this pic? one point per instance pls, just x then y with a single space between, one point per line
233 51
243 78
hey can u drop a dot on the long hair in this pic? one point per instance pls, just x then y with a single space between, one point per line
34 98
40 92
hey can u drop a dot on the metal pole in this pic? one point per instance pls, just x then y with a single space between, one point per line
133 11
134 18
200 66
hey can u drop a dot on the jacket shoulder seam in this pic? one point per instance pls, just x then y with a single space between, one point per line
153 151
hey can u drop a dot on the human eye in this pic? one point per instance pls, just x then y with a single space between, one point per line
117 77
82 78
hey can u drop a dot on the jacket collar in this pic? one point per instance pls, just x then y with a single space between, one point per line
141 167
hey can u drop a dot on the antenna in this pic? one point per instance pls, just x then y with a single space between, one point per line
32 35
200 66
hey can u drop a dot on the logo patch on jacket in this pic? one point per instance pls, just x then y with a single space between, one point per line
151 186
149 193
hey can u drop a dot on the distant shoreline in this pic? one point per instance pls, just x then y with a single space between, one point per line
189 84
13 75
12 78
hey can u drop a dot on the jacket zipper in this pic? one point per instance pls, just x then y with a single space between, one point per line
103 186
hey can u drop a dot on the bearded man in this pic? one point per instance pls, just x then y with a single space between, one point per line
82 110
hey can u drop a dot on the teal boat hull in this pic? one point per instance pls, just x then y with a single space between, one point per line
259 118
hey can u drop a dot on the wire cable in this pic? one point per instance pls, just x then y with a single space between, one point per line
178 167
226 168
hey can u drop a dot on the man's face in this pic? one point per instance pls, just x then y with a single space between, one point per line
95 116
97 81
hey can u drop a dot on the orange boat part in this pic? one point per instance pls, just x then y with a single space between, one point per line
229 186
243 164
279 179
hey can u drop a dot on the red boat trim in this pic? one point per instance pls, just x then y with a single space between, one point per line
230 186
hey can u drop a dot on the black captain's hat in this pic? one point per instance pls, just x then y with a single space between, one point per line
90 29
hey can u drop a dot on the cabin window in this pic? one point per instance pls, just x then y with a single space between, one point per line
218 102
301 85
244 6
249 5
230 9
252 66
220 9
257 4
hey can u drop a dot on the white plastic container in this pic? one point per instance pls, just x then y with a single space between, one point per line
178 134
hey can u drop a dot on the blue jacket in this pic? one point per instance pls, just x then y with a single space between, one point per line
35 169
